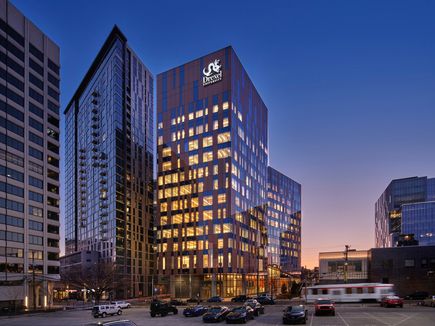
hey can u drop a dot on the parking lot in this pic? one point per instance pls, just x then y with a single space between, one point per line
346 315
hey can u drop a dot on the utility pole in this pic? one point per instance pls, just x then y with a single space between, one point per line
346 257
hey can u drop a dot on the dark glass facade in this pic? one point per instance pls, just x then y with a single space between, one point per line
390 220
212 179
283 222
109 165
419 220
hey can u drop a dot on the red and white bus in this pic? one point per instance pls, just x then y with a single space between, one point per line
350 292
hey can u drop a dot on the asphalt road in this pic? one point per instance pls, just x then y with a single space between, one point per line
346 315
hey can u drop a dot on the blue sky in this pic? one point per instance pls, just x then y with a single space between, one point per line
350 87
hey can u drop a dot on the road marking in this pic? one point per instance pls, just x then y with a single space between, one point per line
403 320
376 318
311 322
342 319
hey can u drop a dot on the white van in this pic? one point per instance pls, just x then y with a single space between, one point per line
104 310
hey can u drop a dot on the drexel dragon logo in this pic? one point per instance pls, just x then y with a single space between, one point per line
212 73
212 66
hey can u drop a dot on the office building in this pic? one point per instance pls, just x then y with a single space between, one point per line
283 222
406 207
109 165
212 179
29 161
335 268
410 269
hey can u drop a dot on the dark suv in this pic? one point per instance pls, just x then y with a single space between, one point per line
161 308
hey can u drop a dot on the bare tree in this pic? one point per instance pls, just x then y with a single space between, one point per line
99 278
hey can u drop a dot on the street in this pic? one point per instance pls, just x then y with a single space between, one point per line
347 315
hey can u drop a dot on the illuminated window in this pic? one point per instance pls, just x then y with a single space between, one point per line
186 261
215 169
191 132
191 116
193 159
225 106
222 198
198 113
166 166
224 137
227 228
160 140
220 243
225 122
207 156
166 152
224 152
215 108
208 200
215 185
217 229
215 124
207 215
239 115
199 129
205 261
193 144
207 141
160 125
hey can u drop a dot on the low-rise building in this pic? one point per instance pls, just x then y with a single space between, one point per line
335 268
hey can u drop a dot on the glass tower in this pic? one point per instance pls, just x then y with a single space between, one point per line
29 161
212 179
283 222
394 214
109 165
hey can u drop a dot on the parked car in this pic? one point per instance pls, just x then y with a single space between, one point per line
240 315
195 311
265 300
419 295
104 310
240 298
255 305
429 302
194 300
324 306
113 323
295 314
215 299
161 308
391 301
122 304
176 302
215 314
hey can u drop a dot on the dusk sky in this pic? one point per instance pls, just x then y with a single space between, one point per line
350 87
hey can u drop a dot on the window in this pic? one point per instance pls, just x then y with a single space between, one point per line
53 216
38 54
52 147
11 220
12 127
11 236
10 94
52 175
53 229
52 188
36 197
35 240
36 211
35 66
53 107
225 123
36 96
11 189
54 67
193 144
207 156
35 182
52 256
409 263
36 139
348 290
224 137
11 79
53 134
9 141
53 93
35 153
36 81
11 252
224 152
36 168
11 158
11 173
35 124
53 161
37 226
9 109
54 121
166 166
193 159
53 202
11 204
207 141
36 110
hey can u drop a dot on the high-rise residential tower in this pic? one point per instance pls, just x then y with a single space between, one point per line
283 222
109 165
29 161
212 179
406 207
